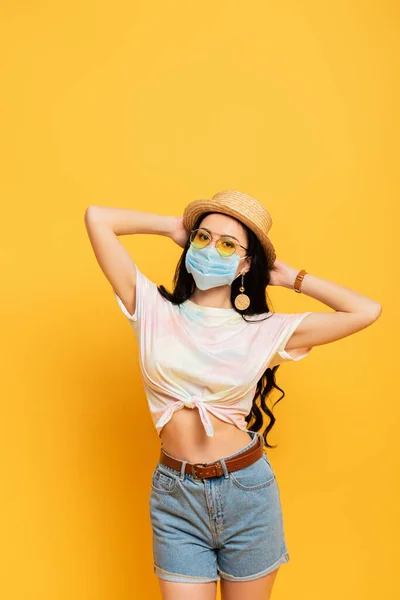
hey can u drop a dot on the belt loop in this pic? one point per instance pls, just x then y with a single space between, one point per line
256 434
223 465
182 474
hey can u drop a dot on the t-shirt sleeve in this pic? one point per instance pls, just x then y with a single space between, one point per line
289 323
147 297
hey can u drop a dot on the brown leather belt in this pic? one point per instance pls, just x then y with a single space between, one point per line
214 469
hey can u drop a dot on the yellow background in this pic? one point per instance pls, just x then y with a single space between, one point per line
149 105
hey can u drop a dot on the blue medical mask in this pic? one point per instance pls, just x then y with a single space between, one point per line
209 268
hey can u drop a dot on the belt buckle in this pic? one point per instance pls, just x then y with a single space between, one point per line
194 465
218 467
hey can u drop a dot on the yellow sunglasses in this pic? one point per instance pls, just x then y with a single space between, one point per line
226 245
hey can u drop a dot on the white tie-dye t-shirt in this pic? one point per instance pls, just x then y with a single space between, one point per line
203 357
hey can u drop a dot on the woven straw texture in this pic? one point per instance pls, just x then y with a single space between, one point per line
243 207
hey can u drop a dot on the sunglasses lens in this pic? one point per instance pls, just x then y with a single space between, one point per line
226 246
200 238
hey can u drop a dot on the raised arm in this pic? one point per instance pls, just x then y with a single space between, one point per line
353 311
104 224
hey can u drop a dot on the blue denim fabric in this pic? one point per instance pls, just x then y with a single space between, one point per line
228 527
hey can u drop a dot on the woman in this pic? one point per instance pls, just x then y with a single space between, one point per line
208 354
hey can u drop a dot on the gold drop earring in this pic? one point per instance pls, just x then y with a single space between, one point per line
242 301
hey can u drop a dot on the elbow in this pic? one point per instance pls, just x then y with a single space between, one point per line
91 214
87 214
375 313
89 210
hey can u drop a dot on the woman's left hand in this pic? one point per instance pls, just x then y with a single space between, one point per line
282 274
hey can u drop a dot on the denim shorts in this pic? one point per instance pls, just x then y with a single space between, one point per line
229 526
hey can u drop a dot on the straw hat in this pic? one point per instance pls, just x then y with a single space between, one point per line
243 207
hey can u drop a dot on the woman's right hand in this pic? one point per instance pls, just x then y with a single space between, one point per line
178 232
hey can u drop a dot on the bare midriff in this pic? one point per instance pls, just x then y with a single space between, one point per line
184 437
